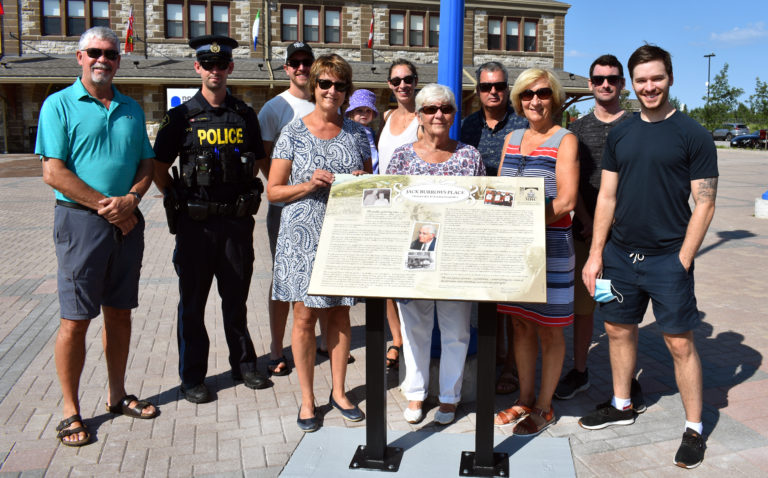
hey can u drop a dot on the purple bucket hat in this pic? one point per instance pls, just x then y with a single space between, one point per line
362 98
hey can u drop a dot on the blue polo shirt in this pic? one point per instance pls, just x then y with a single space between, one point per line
103 147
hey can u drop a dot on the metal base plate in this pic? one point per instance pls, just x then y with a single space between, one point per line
467 466
391 462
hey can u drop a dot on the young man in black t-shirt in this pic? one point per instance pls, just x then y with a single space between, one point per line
652 164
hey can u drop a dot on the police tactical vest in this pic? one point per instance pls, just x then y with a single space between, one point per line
213 150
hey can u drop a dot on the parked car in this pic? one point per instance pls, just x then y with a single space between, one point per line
751 140
729 130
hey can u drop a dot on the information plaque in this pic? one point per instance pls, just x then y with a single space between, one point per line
433 237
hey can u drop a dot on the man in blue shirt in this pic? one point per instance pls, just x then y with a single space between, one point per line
96 155
486 129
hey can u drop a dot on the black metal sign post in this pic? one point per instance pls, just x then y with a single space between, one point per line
483 461
375 454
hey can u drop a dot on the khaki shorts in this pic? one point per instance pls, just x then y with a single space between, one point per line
583 303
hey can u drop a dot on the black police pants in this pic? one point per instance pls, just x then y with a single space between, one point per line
220 247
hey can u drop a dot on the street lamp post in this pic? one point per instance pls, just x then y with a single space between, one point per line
709 64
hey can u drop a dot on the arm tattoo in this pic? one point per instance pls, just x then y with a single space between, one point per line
707 190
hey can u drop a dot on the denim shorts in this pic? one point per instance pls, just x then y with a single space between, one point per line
638 278
96 266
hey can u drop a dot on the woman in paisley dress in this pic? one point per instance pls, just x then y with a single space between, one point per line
549 151
435 154
308 153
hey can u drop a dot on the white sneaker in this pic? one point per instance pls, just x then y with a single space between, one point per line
444 418
413 416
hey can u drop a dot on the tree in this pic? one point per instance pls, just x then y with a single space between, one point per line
758 102
723 99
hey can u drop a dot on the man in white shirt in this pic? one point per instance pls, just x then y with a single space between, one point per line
274 115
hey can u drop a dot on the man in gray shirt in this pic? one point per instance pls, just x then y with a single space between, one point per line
606 81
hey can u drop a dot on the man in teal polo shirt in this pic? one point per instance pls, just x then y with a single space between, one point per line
96 155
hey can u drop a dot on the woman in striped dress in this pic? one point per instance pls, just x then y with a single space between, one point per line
549 151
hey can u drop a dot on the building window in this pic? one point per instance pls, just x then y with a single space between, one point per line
434 31
100 14
174 20
220 25
396 29
513 35
290 24
318 24
196 20
51 17
529 40
512 39
79 15
416 34
416 30
494 34
187 19
311 25
332 26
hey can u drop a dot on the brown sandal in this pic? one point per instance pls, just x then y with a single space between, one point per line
136 411
507 383
65 432
511 415
529 427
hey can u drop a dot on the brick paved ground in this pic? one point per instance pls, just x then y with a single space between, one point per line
253 433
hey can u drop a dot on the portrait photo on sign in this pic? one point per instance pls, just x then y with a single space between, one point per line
424 236
497 197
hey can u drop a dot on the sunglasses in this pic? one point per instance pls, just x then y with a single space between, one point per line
407 79
96 53
598 80
295 63
542 93
340 86
432 109
486 87
210 65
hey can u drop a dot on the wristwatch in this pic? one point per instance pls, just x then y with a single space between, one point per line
134 193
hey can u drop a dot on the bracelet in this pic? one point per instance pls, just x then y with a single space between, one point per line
134 193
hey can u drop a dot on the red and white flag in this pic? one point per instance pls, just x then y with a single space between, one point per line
370 35
129 33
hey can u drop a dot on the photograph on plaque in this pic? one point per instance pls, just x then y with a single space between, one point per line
433 237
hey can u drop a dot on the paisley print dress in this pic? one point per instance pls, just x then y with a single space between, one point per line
302 219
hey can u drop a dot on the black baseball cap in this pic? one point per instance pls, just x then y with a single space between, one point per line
298 46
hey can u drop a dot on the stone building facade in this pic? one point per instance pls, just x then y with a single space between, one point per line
39 39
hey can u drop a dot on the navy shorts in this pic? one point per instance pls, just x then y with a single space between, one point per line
96 266
660 278
274 212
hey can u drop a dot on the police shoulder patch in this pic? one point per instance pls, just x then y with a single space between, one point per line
164 122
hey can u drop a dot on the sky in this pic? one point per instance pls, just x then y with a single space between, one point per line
737 33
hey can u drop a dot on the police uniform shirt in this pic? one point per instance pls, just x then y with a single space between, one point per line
177 135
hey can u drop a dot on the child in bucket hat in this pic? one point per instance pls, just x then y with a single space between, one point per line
362 109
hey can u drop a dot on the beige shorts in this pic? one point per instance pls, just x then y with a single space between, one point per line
583 303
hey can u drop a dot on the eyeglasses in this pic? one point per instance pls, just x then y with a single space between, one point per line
340 86
598 80
542 93
407 79
210 64
486 87
295 63
432 109
96 53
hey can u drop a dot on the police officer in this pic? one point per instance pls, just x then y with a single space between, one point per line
210 207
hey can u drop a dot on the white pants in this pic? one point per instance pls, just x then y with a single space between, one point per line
416 323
